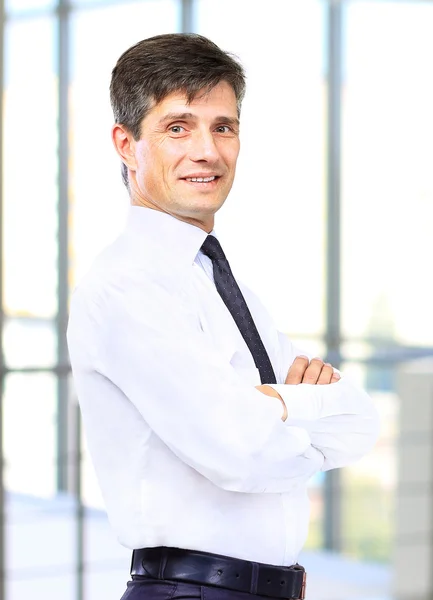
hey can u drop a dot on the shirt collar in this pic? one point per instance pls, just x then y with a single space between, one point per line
156 235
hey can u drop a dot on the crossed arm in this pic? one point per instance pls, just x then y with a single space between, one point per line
302 370
197 404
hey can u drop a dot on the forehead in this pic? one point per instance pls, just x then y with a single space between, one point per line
221 99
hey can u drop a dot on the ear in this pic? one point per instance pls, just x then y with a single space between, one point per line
124 143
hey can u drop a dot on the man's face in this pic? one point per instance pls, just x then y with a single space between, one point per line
185 159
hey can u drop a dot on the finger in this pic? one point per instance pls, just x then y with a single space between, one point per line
326 374
313 371
335 377
297 370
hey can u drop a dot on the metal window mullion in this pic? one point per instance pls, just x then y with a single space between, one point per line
187 16
2 370
332 486
68 446
62 238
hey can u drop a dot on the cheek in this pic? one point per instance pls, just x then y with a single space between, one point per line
150 164
232 159
148 173
171 151
159 170
231 154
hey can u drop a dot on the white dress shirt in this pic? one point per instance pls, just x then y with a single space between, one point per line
187 452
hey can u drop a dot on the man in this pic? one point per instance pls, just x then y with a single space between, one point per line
203 421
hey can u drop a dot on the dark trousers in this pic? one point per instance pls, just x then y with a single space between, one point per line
155 589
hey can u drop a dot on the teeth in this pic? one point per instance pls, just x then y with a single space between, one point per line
201 179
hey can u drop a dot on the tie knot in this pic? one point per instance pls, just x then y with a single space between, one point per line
212 248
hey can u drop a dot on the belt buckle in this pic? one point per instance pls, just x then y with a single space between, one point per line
304 586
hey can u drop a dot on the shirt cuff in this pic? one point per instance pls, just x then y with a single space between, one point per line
302 401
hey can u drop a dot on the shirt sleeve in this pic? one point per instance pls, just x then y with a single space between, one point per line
340 418
188 394
152 349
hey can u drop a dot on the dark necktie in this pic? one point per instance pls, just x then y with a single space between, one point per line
232 296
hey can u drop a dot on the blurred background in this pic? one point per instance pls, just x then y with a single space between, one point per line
336 181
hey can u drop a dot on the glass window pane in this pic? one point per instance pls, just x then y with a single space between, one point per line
369 485
99 198
20 5
310 345
29 431
387 175
41 544
30 169
273 221
40 523
51 586
29 343
40 533
91 3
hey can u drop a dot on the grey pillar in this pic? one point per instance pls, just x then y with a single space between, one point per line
187 16
332 487
413 547
2 365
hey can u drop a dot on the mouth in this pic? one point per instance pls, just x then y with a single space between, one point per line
203 183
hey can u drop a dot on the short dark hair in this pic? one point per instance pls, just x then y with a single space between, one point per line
158 66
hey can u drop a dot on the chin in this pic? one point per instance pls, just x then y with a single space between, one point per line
209 208
203 204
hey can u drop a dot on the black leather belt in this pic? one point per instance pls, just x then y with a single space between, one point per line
221 571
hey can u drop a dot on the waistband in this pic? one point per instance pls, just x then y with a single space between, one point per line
222 571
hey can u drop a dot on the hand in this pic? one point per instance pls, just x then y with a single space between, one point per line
314 372
303 371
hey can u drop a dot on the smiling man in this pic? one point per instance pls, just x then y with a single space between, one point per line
183 162
203 421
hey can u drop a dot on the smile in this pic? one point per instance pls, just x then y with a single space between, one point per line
201 179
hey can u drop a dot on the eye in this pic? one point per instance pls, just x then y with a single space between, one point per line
176 129
223 129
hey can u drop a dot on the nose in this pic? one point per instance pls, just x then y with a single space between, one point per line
203 147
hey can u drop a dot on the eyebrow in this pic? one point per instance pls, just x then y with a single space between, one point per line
187 116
